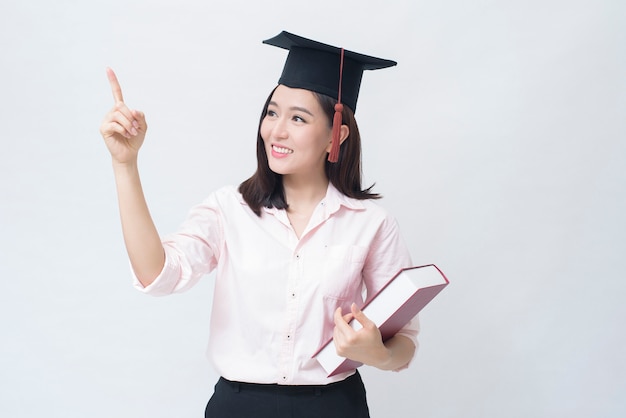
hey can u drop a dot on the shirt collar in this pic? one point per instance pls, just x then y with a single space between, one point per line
333 201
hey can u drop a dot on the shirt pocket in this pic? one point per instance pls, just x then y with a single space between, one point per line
341 282
336 273
342 271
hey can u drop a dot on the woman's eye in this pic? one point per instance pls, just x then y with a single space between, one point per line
270 113
298 119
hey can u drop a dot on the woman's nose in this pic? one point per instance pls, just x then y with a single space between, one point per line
279 130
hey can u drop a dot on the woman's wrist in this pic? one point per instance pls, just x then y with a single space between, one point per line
126 169
398 351
384 358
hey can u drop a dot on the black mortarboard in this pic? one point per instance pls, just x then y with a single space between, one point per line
325 69
315 66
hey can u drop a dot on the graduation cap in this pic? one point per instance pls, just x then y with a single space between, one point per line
325 69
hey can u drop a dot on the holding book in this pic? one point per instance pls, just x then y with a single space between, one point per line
293 246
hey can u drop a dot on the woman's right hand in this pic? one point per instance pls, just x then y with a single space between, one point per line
123 129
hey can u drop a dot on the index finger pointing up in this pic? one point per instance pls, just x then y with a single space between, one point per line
115 86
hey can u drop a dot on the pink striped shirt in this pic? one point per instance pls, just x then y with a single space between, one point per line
275 294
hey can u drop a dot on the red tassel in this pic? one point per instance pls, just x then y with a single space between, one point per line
333 156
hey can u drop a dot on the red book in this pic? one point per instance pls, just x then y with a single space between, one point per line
390 309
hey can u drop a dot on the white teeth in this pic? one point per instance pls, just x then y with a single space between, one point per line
282 150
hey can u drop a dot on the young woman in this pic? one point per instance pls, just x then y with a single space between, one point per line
294 247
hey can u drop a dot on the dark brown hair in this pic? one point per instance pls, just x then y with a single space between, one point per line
265 188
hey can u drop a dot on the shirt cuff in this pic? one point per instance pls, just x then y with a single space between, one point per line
165 282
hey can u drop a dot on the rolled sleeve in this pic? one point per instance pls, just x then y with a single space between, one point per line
165 283
190 253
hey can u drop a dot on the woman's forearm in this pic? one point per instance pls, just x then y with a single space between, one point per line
400 351
141 237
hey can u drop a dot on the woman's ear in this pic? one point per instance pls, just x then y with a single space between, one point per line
344 132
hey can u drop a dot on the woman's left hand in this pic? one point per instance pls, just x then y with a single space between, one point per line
365 345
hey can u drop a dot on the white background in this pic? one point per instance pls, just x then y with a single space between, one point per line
499 143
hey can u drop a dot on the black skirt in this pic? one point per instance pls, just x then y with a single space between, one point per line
242 400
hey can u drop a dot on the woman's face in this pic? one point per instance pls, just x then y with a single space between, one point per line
296 133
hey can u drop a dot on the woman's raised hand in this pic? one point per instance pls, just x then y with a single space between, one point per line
123 129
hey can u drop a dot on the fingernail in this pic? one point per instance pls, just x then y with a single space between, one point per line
134 131
136 124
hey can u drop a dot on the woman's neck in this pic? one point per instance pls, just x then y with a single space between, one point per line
302 193
302 196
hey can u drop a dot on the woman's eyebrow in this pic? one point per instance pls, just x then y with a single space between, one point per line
301 109
293 108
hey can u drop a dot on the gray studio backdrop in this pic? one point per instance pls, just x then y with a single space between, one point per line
498 142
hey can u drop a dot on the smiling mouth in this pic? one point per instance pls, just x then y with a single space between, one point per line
281 150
